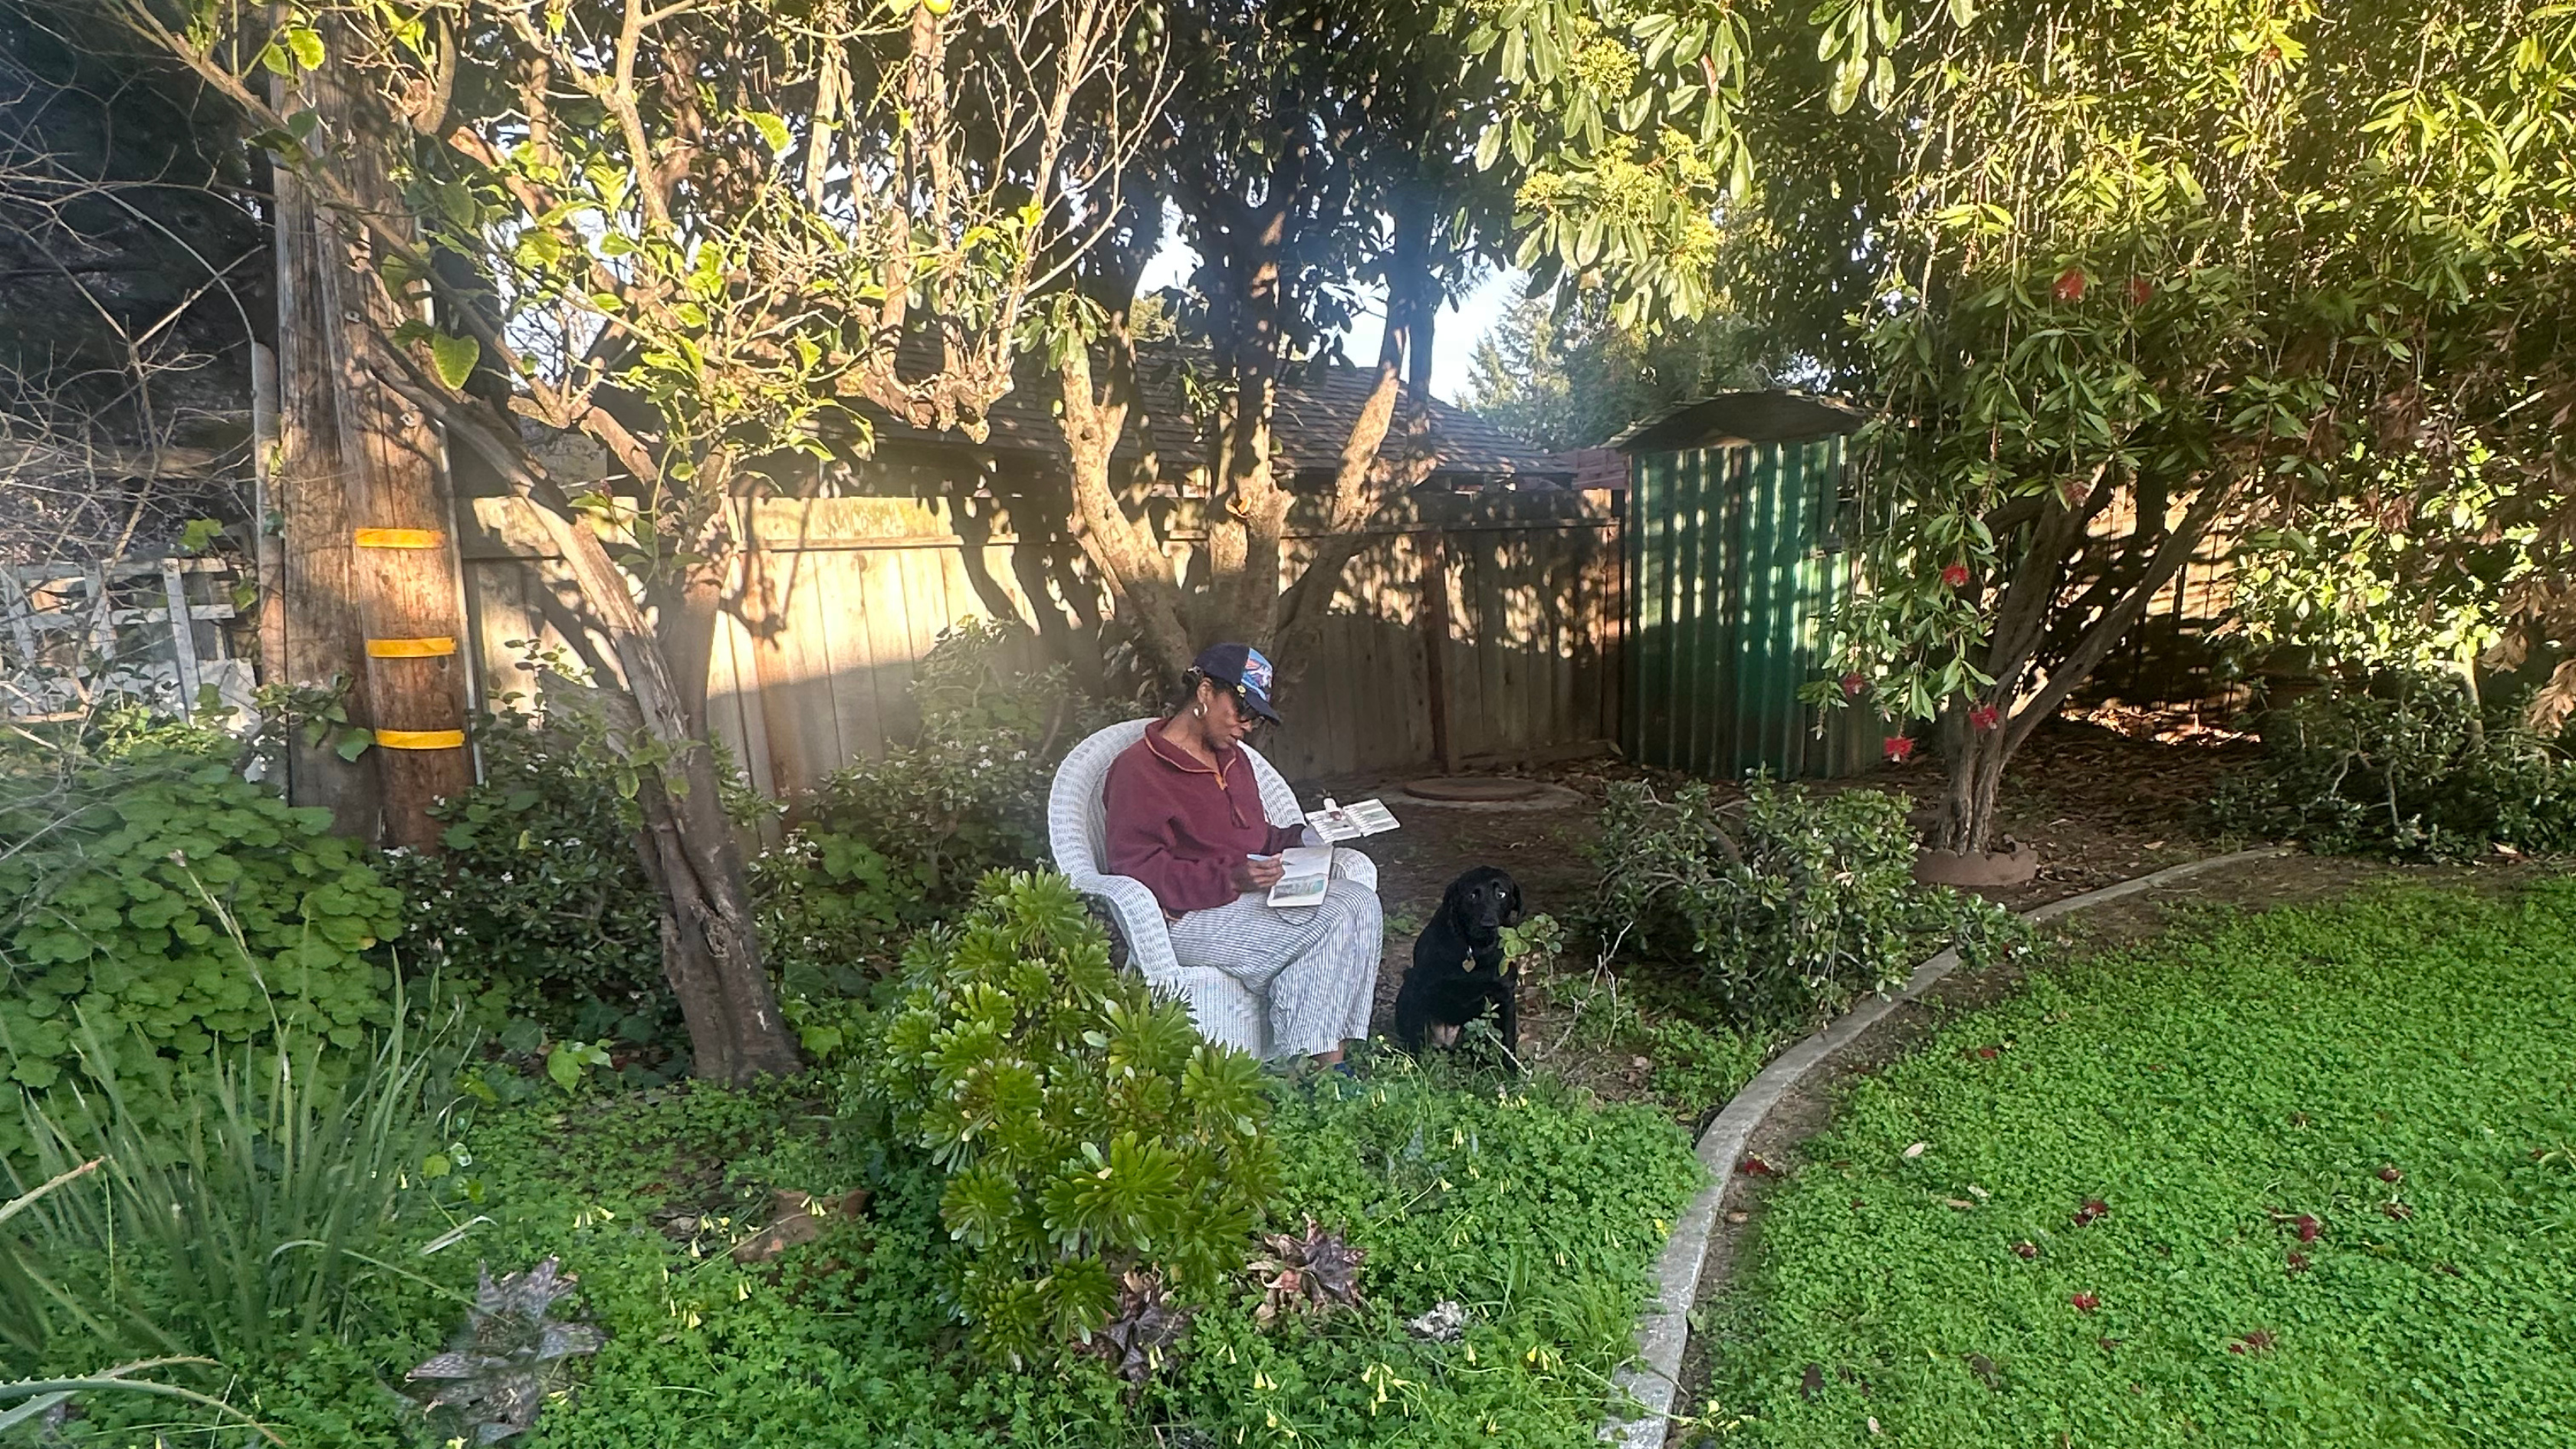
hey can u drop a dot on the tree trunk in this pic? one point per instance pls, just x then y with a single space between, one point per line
1976 760
1360 481
1977 757
711 951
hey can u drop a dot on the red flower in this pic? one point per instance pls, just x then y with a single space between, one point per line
1753 1166
2140 289
2026 1250
1956 576
2259 1341
2094 1208
2391 1174
1983 717
2070 285
1897 748
2308 1228
2085 1302
1854 683
2298 1262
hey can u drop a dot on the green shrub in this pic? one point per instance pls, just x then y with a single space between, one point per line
1787 905
2413 772
161 893
888 845
539 894
1085 1126
236 1201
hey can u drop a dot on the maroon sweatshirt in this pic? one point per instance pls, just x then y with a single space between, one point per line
1181 827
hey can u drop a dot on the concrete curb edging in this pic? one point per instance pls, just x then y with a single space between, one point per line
1664 1329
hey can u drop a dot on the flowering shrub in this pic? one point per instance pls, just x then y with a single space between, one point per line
1787 904
539 896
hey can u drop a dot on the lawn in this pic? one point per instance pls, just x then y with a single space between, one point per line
2303 1178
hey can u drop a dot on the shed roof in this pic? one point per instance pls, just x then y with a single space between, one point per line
1775 415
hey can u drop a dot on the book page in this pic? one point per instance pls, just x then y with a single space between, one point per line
1337 821
1310 873
1372 816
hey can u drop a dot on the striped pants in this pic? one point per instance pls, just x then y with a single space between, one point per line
1317 965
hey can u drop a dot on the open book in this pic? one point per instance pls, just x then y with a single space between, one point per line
1310 871
1349 822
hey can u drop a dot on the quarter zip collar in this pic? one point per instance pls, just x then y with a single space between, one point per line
1179 759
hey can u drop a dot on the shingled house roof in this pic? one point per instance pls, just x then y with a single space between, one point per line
1315 408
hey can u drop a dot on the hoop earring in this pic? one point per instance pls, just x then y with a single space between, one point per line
1199 710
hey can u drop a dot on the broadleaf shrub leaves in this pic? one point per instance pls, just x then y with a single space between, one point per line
1087 1129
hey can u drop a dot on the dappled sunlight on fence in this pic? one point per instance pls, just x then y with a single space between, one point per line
840 597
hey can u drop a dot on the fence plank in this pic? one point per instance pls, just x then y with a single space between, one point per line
845 595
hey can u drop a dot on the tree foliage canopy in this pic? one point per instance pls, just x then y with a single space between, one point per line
2134 269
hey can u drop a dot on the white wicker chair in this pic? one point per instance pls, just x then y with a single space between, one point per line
1225 1010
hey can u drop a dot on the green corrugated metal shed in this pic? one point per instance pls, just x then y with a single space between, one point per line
1732 567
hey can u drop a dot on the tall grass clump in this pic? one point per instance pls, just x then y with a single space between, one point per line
235 1203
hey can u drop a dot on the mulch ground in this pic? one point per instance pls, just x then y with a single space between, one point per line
2100 803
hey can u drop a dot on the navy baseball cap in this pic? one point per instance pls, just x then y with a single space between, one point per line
1241 667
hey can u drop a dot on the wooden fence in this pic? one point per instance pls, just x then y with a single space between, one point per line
156 632
838 597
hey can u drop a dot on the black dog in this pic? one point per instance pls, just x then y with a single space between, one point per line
1458 971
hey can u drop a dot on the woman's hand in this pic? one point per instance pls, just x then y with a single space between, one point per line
1258 873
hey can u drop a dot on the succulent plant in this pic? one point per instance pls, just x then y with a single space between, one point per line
511 1355
1444 1322
1308 1274
1134 1339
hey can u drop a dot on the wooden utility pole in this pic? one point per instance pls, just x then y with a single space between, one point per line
401 616
318 641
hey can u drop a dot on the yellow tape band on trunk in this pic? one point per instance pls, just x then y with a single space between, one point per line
410 648
400 538
421 739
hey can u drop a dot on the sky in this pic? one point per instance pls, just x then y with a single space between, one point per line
1462 325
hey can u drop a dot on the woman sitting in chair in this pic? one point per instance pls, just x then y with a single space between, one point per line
1184 817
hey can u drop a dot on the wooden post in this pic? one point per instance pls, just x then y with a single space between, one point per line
314 616
399 609
1435 644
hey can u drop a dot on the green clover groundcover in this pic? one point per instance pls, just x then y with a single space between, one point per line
2301 1178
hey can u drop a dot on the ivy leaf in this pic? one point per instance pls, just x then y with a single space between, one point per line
772 129
1849 74
306 46
563 1066
354 743
454 357
1963 13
